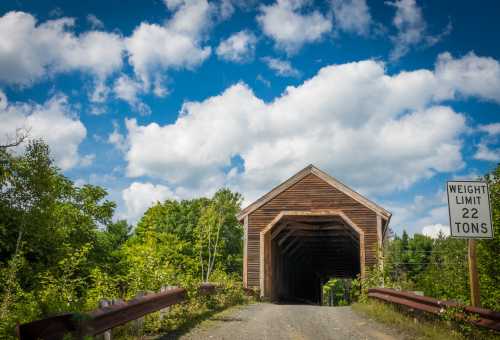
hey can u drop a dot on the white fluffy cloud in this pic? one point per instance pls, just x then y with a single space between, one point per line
352 16
434 230
485 153
423 212
116 139
411 28
94 21
487 149
129 90
53 121
31 51
346 110
239 47
410 25
281 67
492 129
177 44
138 197
87 160
290 25
470 75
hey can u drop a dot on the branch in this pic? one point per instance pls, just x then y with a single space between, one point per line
21 135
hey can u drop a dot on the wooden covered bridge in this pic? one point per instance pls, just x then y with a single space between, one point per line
307 230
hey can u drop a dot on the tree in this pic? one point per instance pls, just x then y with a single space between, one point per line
152 260
445 276
218 234
109 241
209 224
488 250
43 214
49 231
176 217
418 255
407 257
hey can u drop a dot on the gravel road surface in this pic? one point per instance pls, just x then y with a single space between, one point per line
273 321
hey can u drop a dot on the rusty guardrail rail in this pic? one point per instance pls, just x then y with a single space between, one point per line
100 320
480 316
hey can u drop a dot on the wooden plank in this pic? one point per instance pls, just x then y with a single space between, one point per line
278 229
245 252
296 247
295 240
286 236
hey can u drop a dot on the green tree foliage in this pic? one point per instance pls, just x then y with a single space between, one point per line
489 250
44 215
61 250
155 259
219 235
407 257
446 275
202 223
174 217
53 236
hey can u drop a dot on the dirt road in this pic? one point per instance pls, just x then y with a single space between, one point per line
272 321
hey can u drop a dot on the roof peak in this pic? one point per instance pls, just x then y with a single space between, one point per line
312 169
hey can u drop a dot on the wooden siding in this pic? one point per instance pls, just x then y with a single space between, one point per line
310 193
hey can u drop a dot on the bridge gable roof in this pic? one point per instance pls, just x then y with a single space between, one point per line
311 169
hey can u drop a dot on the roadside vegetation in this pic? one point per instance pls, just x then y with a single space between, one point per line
437 268
411 326
62 249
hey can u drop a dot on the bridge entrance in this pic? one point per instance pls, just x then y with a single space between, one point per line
303 250
307 230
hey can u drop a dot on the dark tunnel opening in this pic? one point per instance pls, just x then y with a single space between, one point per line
307 252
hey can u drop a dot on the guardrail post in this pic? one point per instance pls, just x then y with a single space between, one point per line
139 323
165 310
105 303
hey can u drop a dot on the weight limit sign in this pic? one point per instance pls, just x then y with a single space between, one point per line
469 208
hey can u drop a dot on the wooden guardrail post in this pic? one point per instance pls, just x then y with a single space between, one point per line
165 310
139 323
102 304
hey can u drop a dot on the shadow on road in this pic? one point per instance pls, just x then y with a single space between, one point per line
187 327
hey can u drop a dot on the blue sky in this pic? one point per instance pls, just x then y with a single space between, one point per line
175 99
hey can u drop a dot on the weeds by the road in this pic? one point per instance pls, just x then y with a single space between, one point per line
412 327
182 317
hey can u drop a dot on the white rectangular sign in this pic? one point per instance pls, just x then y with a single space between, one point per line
469 207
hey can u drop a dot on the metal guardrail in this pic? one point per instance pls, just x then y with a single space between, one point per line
106 318
478 316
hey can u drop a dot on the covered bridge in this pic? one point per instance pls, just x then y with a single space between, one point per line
306 230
